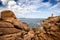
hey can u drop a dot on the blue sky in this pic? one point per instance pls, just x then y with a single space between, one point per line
32 8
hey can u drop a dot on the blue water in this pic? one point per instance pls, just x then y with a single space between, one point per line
32 22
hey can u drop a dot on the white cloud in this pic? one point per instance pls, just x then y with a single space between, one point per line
4 2
25 6
47 4
11 4
21 10
56 7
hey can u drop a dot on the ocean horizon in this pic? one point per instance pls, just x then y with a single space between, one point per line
32 22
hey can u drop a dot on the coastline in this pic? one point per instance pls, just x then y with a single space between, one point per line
13 29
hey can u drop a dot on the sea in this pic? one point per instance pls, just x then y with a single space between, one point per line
32 22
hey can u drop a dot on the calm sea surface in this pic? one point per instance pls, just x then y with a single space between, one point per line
32 22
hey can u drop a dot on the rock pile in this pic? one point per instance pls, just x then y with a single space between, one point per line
10 26
52 27
13 29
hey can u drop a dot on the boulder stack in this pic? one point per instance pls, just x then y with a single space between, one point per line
10 25
8 16
52 23
52 27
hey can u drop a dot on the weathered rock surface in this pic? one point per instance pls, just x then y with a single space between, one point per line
9 24
13 29
7 14
52 23
6 25
52 27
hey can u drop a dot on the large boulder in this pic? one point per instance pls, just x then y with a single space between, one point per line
17 23
9 24
6 25
7 13
52 27
7 28
5 31
52 23
9 16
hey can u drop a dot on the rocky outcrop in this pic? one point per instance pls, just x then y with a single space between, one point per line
13 29
8 16
10 26
52 27
52 23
